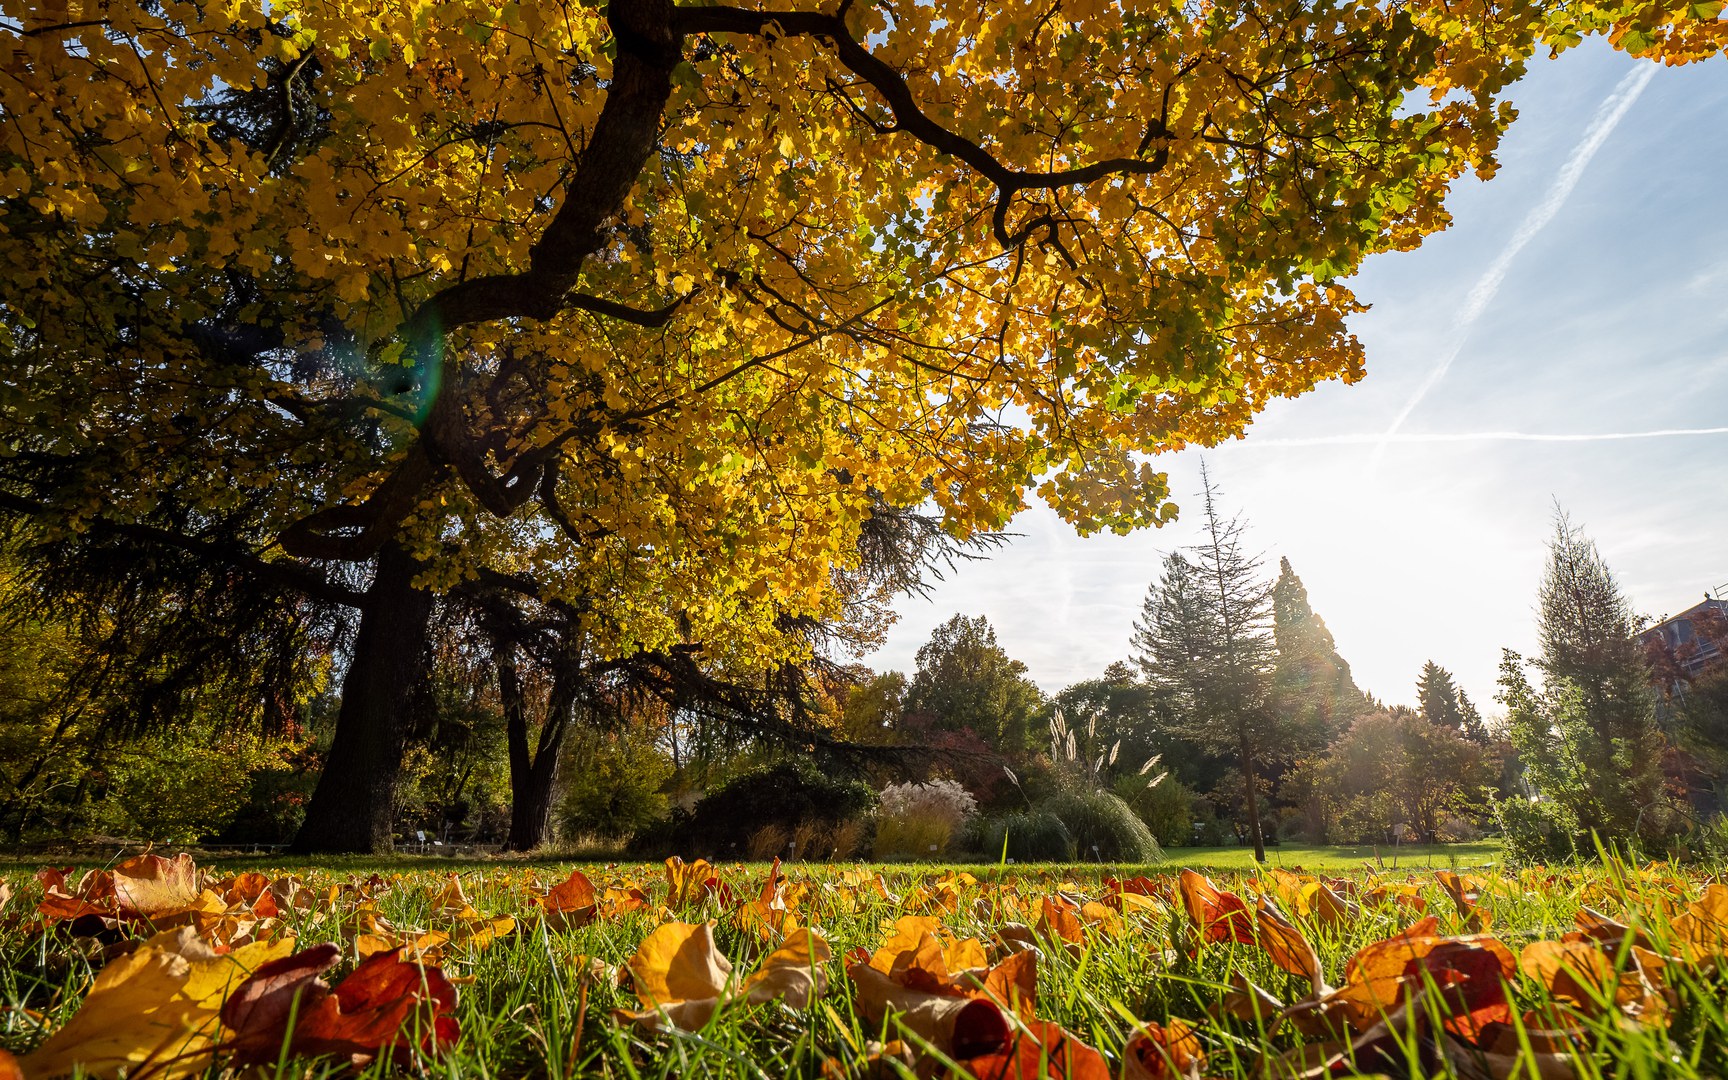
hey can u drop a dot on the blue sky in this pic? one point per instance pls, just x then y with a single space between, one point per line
1598 260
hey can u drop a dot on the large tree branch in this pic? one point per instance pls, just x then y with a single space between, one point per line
908 117
279 572
624 138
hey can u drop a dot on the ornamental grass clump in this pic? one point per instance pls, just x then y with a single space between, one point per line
920 821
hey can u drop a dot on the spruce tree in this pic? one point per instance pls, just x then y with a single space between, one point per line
1590 740
1474 728
1437 698
1205 637
1311 684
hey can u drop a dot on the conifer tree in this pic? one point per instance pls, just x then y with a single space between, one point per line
1205 636
1311 684
1590 739
1437 697
1474 728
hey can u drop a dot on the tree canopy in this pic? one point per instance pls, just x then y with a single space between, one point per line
641 308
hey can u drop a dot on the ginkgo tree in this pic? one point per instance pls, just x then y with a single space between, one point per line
642 307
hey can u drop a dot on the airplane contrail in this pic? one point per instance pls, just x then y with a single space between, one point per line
1382 438
1608 116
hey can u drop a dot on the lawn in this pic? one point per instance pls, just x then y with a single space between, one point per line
543 985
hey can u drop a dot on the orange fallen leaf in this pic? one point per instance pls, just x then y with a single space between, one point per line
1163 1052
1039 1050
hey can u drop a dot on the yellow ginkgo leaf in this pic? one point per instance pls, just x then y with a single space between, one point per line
679 962
139 1011
794 972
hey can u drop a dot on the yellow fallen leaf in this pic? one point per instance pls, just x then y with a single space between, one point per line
156 1005
679 962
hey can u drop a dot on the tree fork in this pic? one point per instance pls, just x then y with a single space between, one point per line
353 809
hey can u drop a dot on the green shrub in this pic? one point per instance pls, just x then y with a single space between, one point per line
1536 832
788 794
1167 807
1104 827
1026 836
612 786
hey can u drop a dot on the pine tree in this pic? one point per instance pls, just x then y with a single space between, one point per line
1205 636
1311 684
1590 739
1437 698
1474 728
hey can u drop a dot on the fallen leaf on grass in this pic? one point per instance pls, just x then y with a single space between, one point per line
386 1005
1038 1050
1163 1052
1580 975
1701 931
153 1005
571 903
152 888
1219 916
682 978
960 1027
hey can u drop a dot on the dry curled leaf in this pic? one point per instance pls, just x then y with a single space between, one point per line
1038 1050
385 1006
1163 1052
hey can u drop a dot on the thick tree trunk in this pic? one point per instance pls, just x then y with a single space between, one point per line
354 806
1249 782
533 776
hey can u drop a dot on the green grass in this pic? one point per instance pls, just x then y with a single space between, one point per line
1334 859
523 1006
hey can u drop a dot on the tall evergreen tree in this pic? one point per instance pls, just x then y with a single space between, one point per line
1590 739
1311 684
1437 698
1205 636
1474 728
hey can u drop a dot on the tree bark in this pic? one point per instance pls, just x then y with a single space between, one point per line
1248 781
533 775
353 809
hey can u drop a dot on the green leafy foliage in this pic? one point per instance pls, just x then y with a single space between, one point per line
613 786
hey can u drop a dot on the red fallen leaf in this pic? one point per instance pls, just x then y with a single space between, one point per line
94 895
572 902
1219 916
1472 985
258 1009
149 886
376 1008
1037 1050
